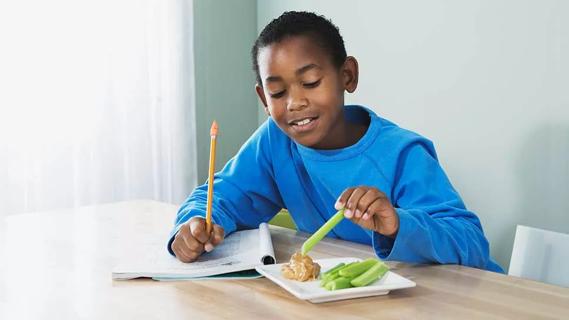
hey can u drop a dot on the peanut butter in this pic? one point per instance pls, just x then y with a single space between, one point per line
301 268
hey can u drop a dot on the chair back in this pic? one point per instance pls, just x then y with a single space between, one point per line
540 255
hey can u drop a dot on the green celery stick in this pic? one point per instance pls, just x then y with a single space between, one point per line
321 233
331 276
324 282
358 268
327 277
375 272
338 266
334 274
340 283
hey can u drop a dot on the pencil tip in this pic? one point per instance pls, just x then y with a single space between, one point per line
213 130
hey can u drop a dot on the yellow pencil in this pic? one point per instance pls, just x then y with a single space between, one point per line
213 134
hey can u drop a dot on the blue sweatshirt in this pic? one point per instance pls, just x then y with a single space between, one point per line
272 171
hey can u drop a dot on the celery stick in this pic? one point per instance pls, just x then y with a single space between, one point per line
329 278
338 266
375 272
324 282
340 283
321 233
334 274
358 268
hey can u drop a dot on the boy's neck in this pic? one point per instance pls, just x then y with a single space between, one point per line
350 132
355 131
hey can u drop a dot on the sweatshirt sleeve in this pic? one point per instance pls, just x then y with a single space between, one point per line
244 193
434 225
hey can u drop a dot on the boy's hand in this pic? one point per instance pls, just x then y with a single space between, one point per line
192 239
369 208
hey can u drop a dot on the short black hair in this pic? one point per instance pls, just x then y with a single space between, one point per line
296 23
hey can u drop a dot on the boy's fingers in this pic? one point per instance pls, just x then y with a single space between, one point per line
217 235
353 201
343 198
386 221
216 238
382 207
198 229
193 244
185 254
184 239
366 200
180 252
208 247
373 209
194 256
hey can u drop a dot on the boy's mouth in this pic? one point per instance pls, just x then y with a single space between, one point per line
303 124
301 121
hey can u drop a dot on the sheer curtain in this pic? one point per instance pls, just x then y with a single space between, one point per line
96 103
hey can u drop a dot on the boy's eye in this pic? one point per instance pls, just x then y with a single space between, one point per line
312 84
277 95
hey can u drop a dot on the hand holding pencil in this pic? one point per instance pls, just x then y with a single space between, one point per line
193 239
199 234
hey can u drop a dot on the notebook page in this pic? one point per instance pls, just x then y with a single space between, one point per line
239 251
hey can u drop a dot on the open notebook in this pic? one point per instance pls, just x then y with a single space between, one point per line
236 257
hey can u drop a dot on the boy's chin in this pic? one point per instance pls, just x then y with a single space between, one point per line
309 142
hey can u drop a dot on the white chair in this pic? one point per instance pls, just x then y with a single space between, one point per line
540 255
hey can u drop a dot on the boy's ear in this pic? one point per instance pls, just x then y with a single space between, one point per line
261 94
350 73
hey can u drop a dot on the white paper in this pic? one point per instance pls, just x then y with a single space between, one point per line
242 250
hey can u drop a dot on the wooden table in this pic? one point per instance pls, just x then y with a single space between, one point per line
57 265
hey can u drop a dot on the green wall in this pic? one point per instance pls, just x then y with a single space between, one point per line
224 32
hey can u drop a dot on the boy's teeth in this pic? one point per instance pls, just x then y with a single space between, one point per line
303 122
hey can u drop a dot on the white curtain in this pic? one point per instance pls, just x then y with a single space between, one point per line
96 102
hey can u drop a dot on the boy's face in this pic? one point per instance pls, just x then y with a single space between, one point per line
304 92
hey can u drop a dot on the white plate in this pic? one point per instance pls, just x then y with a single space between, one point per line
311 290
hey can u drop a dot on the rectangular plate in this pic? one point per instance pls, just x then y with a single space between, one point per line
311 290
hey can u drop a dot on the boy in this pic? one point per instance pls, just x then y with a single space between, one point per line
314 156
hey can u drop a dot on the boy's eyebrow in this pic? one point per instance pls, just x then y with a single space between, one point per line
306 68
298 72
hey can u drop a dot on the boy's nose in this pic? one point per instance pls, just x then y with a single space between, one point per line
297 101
296 105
